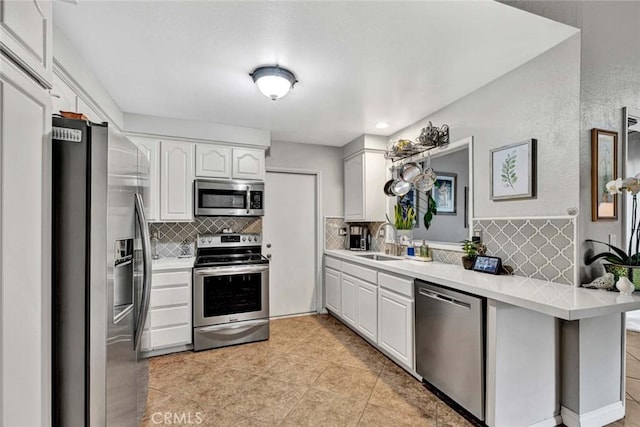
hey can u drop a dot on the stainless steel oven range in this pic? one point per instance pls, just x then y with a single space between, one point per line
230 291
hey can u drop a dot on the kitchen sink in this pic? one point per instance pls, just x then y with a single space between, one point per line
377 257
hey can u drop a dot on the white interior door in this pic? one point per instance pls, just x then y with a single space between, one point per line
289 236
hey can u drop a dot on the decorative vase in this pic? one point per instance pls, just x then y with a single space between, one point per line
404 236
467 262
631 272
625 286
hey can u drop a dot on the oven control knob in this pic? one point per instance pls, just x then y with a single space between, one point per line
244 238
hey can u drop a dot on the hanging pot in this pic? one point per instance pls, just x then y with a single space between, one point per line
387 188
426 180
410 172
400 187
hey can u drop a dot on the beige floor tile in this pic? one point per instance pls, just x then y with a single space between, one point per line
633 388
297 370
173 376
361 355
633 367
322 408
447 417
267 400
215 389
377 416
633 338
405 394
347 381
633 350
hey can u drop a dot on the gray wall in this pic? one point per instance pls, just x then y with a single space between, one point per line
327 160
610 80
540 100
448 228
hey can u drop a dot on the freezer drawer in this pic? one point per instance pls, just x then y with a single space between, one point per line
450 344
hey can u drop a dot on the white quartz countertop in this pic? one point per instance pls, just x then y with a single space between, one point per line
172 264
554 299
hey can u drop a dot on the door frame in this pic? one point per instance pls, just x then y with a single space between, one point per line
318 234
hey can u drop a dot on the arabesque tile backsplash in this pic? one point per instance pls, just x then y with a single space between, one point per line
172 234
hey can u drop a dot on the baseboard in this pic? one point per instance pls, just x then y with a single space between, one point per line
549 422
596 418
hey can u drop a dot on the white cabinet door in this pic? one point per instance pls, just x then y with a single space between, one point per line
25 241
213 161
248 164
332 290
25 33
62 96
367 310
354 206
395 326
348 293
151 150
176 181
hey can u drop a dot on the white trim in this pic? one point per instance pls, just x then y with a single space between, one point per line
319 230
549 422
161 137
596 418
511 218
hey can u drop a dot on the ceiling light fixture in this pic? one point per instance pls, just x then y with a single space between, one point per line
273 81
382 125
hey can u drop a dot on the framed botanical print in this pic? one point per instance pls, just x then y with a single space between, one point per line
513 171
444 193
604 168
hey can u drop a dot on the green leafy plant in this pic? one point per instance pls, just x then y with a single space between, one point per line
470 248
404 219
509 176
431 211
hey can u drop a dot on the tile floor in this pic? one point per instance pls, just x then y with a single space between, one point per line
313 371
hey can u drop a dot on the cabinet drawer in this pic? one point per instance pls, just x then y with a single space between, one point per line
171 279
170 296
171 336
332 262
360 272
170 316
401 285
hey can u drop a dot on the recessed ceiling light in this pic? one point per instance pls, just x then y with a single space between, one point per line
382 125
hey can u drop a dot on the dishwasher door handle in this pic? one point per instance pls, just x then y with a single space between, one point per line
444 298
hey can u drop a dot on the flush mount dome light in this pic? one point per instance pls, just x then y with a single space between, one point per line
273 81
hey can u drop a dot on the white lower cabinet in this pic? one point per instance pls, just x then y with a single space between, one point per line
367 309
348 293
332 290
169 321
395 326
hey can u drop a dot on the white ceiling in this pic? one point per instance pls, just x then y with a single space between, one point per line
357 62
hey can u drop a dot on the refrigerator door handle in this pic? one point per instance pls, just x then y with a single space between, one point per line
146 277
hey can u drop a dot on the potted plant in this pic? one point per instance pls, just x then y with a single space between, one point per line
405 219
619 262
470 249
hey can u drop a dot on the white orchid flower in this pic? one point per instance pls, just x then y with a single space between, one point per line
632 185
614 187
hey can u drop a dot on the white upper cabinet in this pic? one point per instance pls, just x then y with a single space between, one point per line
176 181
151 150
213 161
364 178
25 34
248 164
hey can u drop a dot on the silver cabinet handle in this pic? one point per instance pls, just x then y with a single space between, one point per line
444 298
248 198
268 245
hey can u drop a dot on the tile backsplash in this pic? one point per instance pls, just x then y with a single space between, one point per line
542 248
172 234
333 239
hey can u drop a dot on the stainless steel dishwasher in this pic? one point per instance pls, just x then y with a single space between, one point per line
450 344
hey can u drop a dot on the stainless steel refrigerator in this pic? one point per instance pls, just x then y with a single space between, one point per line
101 276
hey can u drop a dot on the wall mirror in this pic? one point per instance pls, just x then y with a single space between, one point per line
453 195
631 162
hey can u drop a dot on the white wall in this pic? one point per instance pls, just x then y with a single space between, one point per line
540 100
328 160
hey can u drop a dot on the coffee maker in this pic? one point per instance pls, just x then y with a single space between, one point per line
359 238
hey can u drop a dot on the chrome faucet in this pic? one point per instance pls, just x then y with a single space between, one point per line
396 244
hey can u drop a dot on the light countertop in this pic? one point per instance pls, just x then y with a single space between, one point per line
554 299
172 264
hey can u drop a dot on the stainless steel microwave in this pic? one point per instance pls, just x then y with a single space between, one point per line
228 198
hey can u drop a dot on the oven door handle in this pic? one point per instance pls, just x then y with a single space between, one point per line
225 271
248 199
233 328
